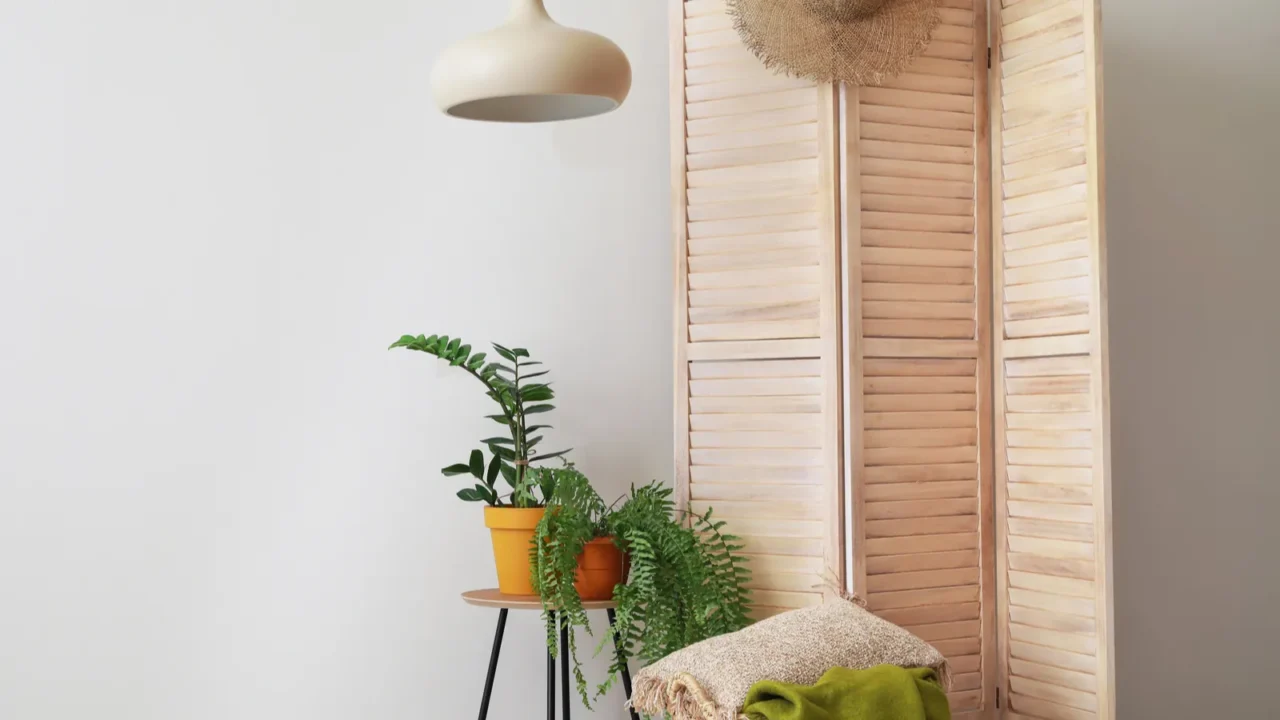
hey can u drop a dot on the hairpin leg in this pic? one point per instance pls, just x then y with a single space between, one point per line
551 680
626 673
566 692
493 663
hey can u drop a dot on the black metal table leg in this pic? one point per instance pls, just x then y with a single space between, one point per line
551 680
493 663
626 673
566 693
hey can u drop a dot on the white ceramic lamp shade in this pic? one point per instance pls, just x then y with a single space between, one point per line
531 69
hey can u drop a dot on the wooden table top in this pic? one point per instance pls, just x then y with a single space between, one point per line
491 598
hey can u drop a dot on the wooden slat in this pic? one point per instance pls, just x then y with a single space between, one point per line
753 491
760 369
877 602
1052 657
920 543
954 577
949 437
898 328
753 350
805 112
755 404
941 632
934 614
922 473
755 386
914 420
902 509
793 422
754 243
921 402
806 310
951 559
918 310
751 474
1053 675
754 440
921 526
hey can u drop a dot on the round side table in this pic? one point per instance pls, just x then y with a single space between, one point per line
492 598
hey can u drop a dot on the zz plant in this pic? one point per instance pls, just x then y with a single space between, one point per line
508 385
686 581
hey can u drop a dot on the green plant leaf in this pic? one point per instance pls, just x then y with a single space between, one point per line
501 419
533 428
494 466
508 474
531 443
548 456
535 409
504 352
476 362
536 393
459 356
498 441
440 344
534 375
504 453
520 352
457 469
470 495
477 464
451 348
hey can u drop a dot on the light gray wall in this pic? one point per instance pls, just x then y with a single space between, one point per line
219 493
1193 201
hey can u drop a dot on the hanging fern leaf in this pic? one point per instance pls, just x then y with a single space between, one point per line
685 583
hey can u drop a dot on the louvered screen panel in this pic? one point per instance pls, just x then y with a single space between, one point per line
1051 411
920 359
757 316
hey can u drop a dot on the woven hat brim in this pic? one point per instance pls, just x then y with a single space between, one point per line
868 51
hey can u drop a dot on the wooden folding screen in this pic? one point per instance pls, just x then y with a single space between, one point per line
852 324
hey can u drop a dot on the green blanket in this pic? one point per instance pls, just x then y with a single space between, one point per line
884 692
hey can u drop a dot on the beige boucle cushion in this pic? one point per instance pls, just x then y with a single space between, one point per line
709 680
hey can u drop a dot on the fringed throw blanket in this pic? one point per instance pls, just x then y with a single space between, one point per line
710 680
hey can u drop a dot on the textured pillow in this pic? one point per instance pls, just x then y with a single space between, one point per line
709 680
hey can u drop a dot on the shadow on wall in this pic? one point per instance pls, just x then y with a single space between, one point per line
1194 243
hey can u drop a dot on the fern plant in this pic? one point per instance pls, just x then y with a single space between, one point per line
686 581
575 516
507 384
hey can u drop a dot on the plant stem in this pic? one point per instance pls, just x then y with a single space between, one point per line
521 468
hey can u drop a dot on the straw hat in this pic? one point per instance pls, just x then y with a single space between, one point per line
863 42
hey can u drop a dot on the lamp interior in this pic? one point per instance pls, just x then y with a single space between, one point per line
533 108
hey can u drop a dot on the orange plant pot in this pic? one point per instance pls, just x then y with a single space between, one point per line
511 530
601 566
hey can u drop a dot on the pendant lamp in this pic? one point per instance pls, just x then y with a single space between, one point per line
531 69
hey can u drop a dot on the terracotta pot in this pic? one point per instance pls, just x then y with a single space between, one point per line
601 566
511 530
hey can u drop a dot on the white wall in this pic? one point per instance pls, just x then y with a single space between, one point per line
1192 112
219 495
